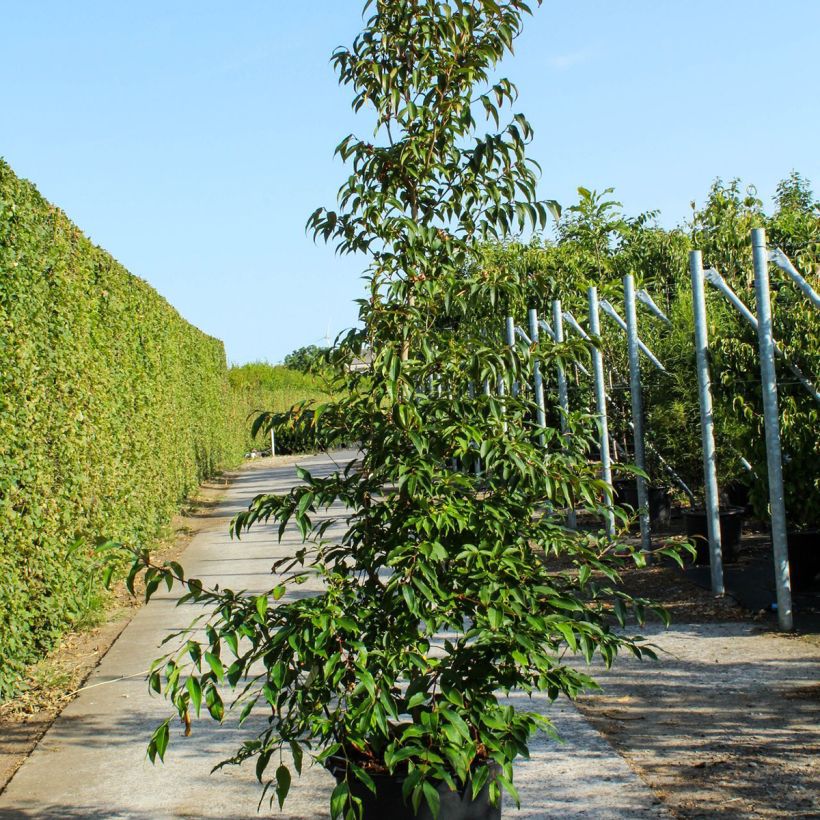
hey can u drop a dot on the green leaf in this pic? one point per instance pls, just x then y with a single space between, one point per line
282 784
261 603
216 665
195 690
338 799
296 751
159 742
432 797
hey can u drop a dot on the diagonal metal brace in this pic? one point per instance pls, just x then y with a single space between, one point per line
546 328
573 323
648 301
717 281
613 314
522 335
783 262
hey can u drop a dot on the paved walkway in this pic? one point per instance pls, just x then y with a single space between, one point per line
92 762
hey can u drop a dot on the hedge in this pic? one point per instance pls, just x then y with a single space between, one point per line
112 409
261 387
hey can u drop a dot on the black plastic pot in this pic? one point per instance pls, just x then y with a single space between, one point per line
660 503
731 528
387 803
804 557
737 494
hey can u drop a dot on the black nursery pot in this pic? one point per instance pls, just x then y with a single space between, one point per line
731 528
387 803
804 557
660 503
737 493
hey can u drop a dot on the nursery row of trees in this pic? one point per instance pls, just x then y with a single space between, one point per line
597 244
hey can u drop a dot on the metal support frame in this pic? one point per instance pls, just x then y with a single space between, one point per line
563 397
645 298
711 496
783 262
573 323
509 338
537 379
771 417
600 402
717 281
615 316
637 406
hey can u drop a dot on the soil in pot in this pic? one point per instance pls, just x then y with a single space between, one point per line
387 803
731 528
660 503
804 557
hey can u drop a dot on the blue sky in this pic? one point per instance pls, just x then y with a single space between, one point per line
193 139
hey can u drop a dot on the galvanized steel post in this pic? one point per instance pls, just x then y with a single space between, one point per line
537 379
563 398
784 263
771 418
714 278
509 337
637 406
600 401
711 497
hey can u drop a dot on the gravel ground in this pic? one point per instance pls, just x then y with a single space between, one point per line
725 724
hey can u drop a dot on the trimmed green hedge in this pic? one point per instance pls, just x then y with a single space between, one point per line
261 387
112 409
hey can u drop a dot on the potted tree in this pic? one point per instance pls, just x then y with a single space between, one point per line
447 586
722 228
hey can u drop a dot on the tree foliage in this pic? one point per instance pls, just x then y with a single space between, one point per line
455 577
305 358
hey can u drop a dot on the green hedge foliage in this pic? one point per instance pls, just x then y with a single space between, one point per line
112 409
261 387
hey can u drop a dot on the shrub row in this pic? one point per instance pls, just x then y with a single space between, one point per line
112 409
260 387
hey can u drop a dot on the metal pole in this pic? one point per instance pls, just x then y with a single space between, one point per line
537 380
563 398
784 263
600 402
715 279
644 297
711 497
509 336
613 314
771 418
272 442
637 406
502 383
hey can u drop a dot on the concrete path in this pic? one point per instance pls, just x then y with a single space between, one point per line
92 762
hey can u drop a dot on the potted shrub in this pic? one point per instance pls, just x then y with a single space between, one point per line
447 587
